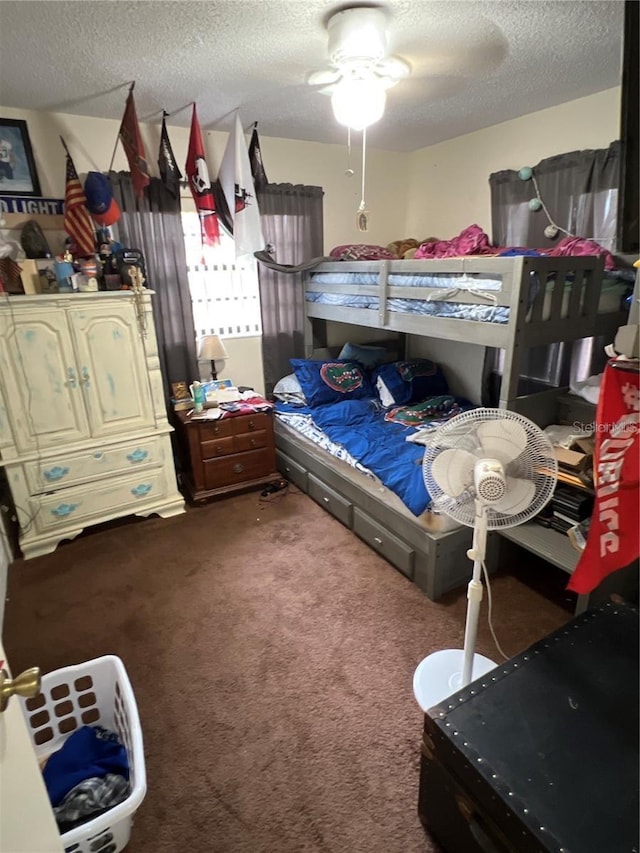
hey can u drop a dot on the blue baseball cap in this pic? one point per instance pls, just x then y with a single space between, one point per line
100 201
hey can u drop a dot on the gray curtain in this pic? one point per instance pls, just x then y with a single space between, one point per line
292 225
153 225
580 190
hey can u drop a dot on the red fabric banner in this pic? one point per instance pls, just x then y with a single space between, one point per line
613 540
198 177
134 147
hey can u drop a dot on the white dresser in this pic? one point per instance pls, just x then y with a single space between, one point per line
84 436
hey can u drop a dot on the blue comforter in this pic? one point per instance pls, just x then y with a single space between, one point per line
359 426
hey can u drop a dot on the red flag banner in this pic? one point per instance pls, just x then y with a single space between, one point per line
134 147
613 540
200 184
77 221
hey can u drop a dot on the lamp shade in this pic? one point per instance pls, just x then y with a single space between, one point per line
211 347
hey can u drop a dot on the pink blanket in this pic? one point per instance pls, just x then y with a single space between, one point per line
474 241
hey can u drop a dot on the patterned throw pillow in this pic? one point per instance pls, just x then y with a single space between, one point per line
325 382
430 411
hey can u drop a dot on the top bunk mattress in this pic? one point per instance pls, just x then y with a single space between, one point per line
445 287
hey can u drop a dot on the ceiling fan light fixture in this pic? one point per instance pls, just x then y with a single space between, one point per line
358 103
357 33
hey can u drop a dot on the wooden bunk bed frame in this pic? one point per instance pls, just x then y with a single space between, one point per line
437 562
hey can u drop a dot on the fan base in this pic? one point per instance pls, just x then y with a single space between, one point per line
440 674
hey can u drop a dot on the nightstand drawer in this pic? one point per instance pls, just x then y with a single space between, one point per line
218 447
250 440
238 468
217 429
250 423
330 500
383 542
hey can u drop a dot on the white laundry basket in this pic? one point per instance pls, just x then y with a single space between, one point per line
97 692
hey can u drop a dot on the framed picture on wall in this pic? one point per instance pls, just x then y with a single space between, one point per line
18 175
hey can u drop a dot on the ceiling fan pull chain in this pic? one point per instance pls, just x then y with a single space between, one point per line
349 171
362 219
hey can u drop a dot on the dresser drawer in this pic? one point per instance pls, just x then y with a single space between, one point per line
238 468
218 447
292 471
385 543
330 500
115 496
85 466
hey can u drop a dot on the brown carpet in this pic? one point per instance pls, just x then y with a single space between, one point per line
271 653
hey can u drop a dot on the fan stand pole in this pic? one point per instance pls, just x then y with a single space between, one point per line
474 591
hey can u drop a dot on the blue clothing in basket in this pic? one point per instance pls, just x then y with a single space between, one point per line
90 752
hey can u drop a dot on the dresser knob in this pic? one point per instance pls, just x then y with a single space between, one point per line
253 442
251 425
238 468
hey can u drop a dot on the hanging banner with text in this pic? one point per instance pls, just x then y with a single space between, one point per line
613 540
31 206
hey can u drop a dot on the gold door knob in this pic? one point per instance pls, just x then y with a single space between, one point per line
27 685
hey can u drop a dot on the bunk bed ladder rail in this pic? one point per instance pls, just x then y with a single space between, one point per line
383 284
512 280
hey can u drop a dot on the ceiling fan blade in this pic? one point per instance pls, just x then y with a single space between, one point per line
394 67
519 496
502 439
453 471
324 77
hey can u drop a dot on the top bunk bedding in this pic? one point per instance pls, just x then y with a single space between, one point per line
531 293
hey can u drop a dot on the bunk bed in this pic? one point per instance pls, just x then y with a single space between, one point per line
510 303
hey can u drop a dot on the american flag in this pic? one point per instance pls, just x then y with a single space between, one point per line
77 222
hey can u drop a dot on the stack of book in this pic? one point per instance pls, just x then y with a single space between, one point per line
568 507
181 404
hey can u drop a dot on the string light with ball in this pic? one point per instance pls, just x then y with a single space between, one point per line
553 229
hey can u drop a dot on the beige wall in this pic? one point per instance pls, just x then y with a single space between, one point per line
449 185
92 141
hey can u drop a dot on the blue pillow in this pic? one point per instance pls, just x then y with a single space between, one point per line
410 381
369 356
331 381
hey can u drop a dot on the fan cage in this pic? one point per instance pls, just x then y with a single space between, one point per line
536 463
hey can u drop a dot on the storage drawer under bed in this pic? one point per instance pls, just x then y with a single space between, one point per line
385 543
334 503
292 471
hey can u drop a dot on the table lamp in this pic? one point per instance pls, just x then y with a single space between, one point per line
212 348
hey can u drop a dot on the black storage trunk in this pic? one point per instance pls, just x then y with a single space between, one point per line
541 754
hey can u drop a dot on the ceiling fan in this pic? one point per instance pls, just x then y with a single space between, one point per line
359 67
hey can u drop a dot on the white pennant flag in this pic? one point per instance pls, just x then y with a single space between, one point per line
236 181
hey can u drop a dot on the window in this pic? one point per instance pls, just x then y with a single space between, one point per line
224 291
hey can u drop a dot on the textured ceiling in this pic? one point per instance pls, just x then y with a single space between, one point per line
474 63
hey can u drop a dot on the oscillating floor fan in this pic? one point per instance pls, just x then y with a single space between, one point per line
488 469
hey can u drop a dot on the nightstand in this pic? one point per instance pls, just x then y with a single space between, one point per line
228 455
